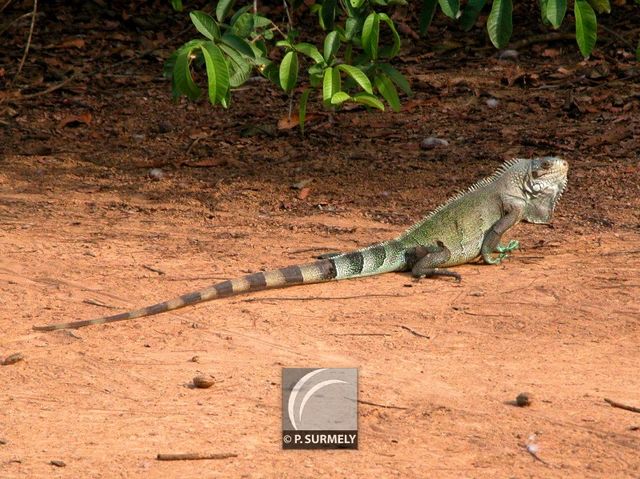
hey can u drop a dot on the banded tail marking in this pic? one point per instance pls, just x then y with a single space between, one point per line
323 270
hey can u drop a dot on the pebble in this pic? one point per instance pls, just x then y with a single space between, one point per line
432 142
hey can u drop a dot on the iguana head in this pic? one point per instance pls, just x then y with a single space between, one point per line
543 184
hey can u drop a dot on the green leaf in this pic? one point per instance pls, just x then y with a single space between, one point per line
239 12
239 44
330 84
371 35
339 97
358 75
217 72
451 8
543 12
309 50
302 112
470 14
356 3
586 26
555 11
369 100
271 72
239 67
177 5
600 6
427 10
392 50
243 26
205 24
328 14
397 77
223 8
289 71
331 45
499 23
352 27
388 91
182 80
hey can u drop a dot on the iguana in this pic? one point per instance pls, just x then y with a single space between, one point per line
466 227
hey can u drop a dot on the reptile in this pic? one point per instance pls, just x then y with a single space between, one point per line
466 227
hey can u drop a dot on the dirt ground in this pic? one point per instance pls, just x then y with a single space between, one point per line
88 229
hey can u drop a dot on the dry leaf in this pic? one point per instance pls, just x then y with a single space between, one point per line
304 193
75 120
71 43
286 123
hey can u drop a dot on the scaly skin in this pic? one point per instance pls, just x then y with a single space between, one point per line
466 227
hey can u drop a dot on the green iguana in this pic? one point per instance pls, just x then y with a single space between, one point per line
464 228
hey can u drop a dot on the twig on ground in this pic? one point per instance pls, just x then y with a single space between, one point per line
618 36
360 334
28 45
322 298
11 22
415 333
150 268
622 406
94 302
616 253
386 406
6 4
194 456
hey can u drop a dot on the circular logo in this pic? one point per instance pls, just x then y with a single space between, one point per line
287 439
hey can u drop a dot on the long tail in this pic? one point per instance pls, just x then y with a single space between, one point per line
376 259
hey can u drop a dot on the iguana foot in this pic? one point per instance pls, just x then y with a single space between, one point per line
513 245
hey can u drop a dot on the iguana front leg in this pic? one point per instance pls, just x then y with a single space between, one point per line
424 261
491 242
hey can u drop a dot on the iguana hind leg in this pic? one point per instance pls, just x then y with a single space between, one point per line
424 261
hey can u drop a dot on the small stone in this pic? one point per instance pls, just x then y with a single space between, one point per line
523 400
508 55
203 382
12 359
492 103
156 174
195 359
432 142
57 463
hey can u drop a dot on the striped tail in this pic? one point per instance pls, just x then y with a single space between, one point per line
372 260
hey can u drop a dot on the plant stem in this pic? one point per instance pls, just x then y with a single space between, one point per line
26 48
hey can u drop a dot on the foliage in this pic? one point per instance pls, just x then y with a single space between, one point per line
353 63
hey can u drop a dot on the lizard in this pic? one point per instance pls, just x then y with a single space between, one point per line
466 227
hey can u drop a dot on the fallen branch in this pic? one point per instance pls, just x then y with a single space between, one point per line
193 456
622 406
